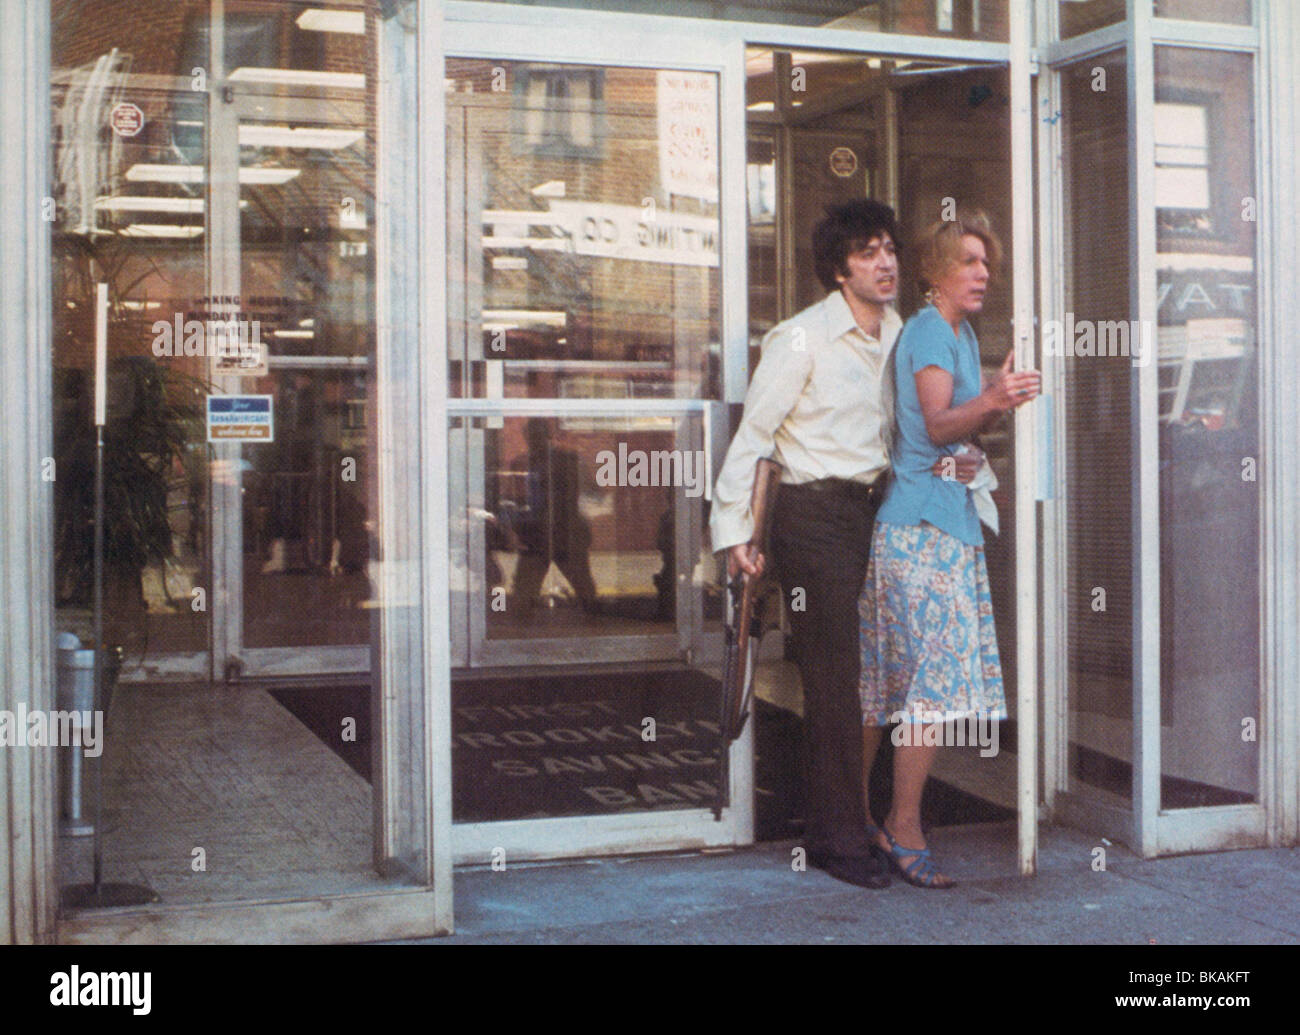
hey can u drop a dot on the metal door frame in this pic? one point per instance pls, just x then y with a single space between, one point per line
230 657
528 33
493 34
1140 821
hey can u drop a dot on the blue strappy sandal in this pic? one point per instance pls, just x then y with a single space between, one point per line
921 872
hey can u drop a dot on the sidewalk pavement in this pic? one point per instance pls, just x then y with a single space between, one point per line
754 896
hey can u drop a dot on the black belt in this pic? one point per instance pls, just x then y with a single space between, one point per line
868 491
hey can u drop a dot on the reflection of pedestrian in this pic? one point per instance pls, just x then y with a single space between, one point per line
816 406
288 466
549 526
351 545
665 583
929 650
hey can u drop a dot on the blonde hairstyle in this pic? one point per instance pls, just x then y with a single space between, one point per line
938 248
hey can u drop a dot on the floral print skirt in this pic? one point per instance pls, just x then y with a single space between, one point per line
929 650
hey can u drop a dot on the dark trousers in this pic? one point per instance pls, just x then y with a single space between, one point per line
820 543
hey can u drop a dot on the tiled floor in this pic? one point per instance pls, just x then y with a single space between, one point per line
229 771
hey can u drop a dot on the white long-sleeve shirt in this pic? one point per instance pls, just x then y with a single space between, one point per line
816 405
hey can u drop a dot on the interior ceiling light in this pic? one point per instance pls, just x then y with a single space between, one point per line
283 136
295 334
527 317
143 173
298 77
315 19
161 230
133 203
129 203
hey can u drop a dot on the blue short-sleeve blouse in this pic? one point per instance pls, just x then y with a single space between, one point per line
915 493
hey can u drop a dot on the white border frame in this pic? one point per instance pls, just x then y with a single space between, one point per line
1051 303
433 435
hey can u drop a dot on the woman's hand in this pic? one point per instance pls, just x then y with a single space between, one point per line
1012 388
961 466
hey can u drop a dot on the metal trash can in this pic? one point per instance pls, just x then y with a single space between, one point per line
76 692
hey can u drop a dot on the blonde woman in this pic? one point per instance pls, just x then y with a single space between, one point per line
929 651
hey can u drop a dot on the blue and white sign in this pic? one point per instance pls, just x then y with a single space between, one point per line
241 418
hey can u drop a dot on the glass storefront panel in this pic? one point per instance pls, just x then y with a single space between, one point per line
1210 455
562 509
536 745
1098 440
958 19
1231 12
1080 16
587 198
214 177
156 477
306 540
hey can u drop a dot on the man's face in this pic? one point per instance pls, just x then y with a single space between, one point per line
873 271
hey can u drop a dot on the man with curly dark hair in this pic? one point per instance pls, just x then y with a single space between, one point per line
820 406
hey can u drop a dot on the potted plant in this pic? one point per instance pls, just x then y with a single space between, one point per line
153 417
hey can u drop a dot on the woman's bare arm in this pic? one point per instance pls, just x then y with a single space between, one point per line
945 423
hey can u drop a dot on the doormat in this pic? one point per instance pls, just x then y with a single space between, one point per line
534 746
540 746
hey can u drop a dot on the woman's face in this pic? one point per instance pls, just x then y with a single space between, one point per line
963 285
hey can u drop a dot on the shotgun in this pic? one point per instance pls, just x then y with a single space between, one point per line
745 624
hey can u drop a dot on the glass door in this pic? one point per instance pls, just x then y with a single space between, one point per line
587 282
213 251
1155 349
585 342
292 215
